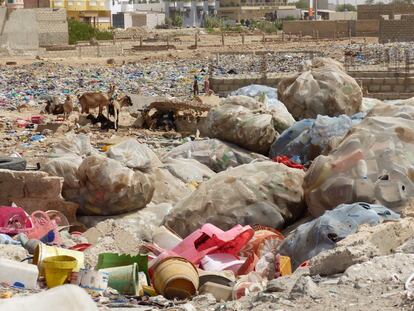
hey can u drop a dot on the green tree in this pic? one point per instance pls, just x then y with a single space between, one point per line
345 7
370 2
302 4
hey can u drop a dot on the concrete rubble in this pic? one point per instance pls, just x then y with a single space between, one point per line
223 196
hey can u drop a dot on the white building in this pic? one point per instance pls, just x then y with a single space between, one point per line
137 13
193 12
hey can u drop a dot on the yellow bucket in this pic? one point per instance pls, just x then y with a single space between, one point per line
58 269
175 277
285 266
43 251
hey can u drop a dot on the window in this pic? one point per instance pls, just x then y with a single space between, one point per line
10 1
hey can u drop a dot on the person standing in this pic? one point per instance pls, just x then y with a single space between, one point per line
195 86
207 85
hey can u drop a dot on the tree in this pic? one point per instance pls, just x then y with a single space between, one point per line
345 8
370 2
301 4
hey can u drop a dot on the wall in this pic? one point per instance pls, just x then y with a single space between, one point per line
35 191
376 11
53 27
367 27
282 13
327 29
336 16
150 20
222 86
382 85
21 31
31 4
396 30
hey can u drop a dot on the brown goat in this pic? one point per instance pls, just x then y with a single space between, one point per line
92 100
116 105
67 106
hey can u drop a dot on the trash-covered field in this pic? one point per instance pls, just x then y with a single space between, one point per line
292 198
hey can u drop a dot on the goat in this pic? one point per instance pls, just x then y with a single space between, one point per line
67 106
91 100
106 124
53 106
115 106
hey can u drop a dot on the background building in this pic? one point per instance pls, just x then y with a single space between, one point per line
95 12
248 9
193 12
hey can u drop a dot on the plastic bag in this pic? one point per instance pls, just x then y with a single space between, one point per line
322 88
323 233
132 154
72 144
309 138
188 170
373 164
109 188
167 188
264 193
214 153
268 95
236 124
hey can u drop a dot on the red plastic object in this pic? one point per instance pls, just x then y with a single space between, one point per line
80 247
210 239
288 162
14 220
43 229
37 119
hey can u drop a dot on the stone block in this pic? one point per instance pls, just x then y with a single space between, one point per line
373 87
386 88
399 88
47 187
11 185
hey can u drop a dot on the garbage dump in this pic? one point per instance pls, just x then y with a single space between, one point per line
264 193
322 88
214 153
309 138
93 218
372 164
324 232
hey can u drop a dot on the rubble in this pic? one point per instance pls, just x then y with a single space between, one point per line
360 247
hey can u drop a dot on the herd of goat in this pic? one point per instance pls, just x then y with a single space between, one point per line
92 100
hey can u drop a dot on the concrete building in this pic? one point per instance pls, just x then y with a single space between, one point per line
288 12
28 29
95 12
32 4
149 19
14 4
249 9
137 13
193 12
